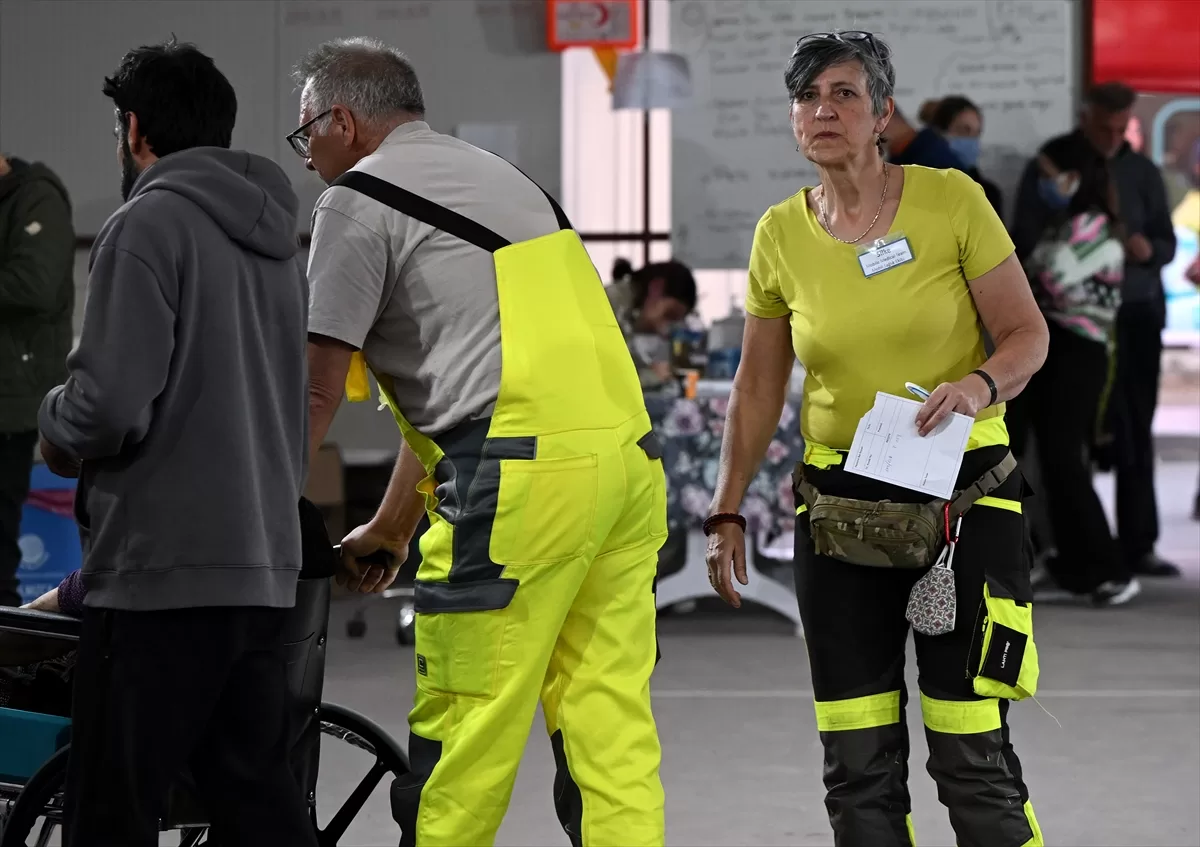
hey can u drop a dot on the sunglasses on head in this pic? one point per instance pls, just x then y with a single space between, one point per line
853 35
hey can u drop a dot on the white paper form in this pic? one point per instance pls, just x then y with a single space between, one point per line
888 447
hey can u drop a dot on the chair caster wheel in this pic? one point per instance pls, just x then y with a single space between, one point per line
356 628
406 626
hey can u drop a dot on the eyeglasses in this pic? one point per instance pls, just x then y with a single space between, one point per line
298 138
851 36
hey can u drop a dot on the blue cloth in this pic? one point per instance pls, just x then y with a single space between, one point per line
930 150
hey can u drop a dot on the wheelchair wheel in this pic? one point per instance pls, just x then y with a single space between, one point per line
37 814
360 732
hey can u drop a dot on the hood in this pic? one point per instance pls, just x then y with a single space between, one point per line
249 196
24 173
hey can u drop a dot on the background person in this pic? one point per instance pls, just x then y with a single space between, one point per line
917 321
462 286
960 122
184 415
907 145
1076 270
1098 152
37 299
648 302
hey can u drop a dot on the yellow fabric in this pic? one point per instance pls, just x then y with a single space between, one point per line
989 432
960 717
1187 213
1000 610
856 336
1037 840
858 712
1000 503
358 386
579 528
912 833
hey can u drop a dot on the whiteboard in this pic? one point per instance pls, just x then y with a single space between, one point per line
732 150
478 61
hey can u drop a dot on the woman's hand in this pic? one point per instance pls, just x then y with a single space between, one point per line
967 397
726 555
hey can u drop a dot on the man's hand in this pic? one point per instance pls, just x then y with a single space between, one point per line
967 397
1139 247
365 578
57 459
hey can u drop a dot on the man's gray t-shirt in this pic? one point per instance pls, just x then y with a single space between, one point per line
421 304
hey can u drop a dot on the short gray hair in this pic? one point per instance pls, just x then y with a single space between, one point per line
375 81
814 54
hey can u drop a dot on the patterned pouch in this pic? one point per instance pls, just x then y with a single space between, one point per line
932 604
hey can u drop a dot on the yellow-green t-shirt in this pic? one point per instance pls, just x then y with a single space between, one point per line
913 323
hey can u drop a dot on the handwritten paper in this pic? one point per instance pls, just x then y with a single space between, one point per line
888 447
733 154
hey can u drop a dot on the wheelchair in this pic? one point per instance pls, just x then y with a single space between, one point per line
31 802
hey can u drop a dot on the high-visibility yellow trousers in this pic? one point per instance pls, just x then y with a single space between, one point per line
554 604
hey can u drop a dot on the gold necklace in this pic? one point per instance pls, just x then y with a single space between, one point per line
870 226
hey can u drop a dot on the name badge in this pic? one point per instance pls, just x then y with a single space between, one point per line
883 254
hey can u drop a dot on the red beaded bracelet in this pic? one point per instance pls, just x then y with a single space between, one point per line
723 517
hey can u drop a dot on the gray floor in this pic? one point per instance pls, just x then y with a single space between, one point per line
1111 754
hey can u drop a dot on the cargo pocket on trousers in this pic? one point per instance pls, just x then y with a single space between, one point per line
1008 664
460 630
544 510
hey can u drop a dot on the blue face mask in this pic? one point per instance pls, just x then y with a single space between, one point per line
1052 195
965 148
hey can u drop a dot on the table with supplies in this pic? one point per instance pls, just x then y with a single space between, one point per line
692 429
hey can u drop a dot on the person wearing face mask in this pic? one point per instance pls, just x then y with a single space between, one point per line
1093 160
1076 268
960 123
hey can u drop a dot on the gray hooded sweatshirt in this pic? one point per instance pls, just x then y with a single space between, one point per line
187 394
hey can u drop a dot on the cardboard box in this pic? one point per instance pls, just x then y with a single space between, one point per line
326 488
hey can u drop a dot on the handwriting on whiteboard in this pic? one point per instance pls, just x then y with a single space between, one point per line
733 153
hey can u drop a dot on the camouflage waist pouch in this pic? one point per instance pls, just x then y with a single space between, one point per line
884 534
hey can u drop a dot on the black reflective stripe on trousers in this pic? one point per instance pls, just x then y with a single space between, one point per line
468 491
423 756
986 800
568 801
866 782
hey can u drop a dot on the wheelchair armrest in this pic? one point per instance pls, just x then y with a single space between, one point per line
40 624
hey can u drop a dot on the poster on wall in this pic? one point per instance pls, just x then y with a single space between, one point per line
1167 128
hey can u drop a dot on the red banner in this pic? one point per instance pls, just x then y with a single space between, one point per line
1151 45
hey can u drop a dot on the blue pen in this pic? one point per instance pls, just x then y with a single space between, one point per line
917 391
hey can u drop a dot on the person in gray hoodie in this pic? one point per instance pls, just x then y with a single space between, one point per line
184 415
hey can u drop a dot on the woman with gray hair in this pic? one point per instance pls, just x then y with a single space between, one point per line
880 277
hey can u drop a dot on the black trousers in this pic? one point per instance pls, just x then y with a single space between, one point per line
16 463
158 693
1063 403
856 632
1132 403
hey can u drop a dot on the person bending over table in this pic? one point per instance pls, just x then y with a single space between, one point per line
945 275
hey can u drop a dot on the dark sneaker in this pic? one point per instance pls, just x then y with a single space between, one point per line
1116 593
1152 565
